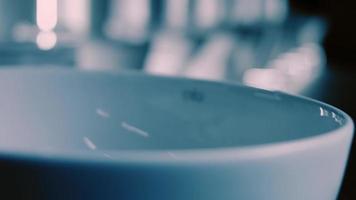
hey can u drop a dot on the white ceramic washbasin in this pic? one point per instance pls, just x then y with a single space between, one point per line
94 135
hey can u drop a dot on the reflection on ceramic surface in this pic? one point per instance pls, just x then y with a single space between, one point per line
144 135
90 144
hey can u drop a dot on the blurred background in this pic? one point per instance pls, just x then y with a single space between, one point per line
301 47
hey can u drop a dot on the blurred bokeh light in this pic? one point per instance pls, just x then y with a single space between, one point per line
259 43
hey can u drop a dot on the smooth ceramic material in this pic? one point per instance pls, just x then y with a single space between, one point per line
74 135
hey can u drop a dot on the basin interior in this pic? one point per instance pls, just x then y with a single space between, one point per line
61 110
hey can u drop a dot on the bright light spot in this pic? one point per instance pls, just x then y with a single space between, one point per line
302 66
276 10
168 54
89 143
208 13
313 53
75 14
102 113
326 113
133 129
129 20
46 14
321 111
135 12
294 64
269 79
46 40
337 118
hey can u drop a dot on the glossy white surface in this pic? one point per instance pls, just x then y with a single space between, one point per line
223 139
